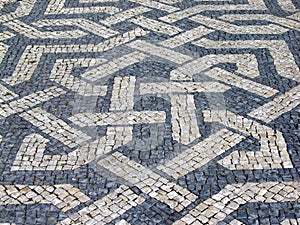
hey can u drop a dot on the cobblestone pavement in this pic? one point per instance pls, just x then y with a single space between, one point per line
149 112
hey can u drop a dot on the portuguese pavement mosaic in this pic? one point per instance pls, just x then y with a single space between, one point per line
149 112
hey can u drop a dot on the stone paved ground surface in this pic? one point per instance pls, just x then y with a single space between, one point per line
149 112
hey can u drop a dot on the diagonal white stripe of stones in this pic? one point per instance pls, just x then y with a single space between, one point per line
6 35
201 153
275 108
122 222
285 22
62 74
84 24
22 104
106 209
58 7
188 12
6 94
63 196
234 29
31 32
3 49
284 222
220 205
24 8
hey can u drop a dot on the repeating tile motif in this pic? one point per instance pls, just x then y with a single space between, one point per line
149 112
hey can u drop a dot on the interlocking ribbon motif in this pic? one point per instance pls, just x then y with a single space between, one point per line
147 94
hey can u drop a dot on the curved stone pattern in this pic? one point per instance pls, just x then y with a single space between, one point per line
149 112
